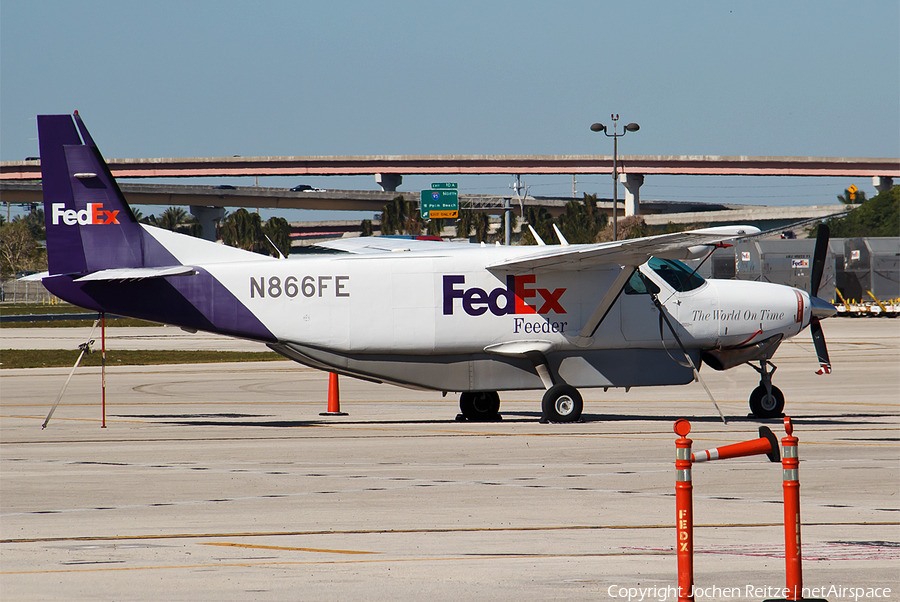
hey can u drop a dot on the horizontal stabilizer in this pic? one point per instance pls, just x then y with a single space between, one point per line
34 277
138 273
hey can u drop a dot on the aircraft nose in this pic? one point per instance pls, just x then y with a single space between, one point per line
820 308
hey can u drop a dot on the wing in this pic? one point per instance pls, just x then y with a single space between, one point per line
633 252
384 244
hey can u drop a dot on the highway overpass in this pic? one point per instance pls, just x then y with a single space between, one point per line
480 164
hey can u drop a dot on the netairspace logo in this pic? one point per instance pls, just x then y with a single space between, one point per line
663 594
94 214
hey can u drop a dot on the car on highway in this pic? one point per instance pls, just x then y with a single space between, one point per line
306 188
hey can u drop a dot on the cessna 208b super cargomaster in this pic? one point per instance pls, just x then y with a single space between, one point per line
442 316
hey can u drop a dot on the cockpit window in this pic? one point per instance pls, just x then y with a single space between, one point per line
676 274
636 285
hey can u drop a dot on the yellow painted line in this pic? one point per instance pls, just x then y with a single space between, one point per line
256 547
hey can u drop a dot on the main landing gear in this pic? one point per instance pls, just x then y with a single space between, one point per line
561 403
767 400
480 406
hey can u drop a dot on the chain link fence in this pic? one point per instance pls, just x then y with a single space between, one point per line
23 291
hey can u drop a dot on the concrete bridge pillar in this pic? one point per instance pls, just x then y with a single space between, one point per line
632 182
208 217
389 181
882 183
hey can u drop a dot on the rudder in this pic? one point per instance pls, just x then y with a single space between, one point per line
90 226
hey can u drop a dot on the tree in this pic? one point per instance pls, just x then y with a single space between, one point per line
482 226
465 221
632 226
279 232
18 249
175 219
365 228
401 217
243 230
583 220
852 197
539 219
435 227
878 216
392 216
34 221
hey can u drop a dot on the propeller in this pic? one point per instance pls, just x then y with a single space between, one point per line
819 308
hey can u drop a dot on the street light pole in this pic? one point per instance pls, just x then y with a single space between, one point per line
631 127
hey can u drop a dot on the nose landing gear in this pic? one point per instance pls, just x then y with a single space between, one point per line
766 400
562 403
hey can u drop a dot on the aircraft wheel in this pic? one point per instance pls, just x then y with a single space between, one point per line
562 403
480 406
764 405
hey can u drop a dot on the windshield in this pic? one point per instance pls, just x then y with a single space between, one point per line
676 274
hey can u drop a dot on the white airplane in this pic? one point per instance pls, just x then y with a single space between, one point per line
441 316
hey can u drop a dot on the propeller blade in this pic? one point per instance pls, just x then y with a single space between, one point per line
815 328
819 260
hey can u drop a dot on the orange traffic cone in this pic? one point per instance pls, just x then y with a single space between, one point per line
334 397
766 444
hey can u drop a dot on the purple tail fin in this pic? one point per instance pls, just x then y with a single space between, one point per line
90 226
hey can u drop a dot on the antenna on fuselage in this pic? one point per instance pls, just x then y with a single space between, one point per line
277 250
537 238
562 239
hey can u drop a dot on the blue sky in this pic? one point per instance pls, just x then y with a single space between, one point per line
204 78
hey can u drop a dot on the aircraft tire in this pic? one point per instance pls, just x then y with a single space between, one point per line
763 405
480 406
562 403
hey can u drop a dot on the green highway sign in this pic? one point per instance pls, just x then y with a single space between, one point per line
451 185
440 203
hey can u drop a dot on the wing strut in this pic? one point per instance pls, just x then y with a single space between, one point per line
612 295
664 315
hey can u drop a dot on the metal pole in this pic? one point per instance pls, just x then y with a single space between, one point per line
507 209
615 185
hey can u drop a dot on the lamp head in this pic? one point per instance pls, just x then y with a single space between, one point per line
632 127
598 127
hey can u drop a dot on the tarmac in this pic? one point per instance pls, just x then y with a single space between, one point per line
224 482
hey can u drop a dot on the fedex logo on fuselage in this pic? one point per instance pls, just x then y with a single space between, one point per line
513 299
94 214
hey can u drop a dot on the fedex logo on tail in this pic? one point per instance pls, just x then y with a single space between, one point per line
93 215
516 298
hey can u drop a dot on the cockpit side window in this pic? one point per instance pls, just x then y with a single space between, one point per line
636 286
676 274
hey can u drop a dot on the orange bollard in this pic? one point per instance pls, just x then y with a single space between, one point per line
766 444
791 476
334 397
790 464
684 512
103 366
